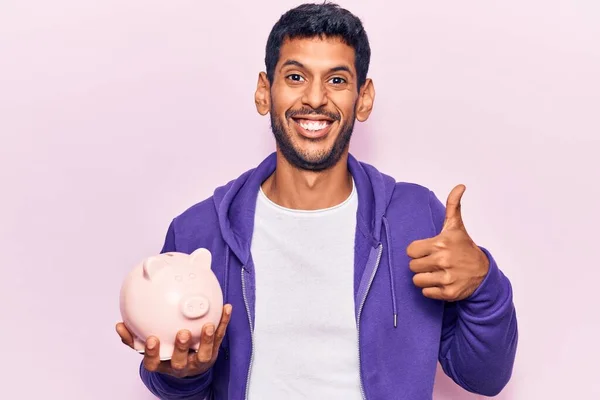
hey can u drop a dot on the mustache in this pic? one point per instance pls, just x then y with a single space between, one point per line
312 111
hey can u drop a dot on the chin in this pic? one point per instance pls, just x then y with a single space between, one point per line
312 159
311 151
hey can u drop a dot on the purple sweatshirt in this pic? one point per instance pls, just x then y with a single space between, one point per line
474 340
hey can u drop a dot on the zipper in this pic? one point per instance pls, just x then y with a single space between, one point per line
251 334
362 389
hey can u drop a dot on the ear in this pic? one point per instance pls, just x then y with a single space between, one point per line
366 99
152 266
202 257
262 97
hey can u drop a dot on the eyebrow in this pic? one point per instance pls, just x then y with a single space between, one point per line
334 69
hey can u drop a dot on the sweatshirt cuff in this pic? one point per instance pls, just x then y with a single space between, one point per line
168 386
493 294
196 381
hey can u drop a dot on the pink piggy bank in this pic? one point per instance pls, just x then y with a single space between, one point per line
170 292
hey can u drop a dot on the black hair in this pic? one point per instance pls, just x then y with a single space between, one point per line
322 20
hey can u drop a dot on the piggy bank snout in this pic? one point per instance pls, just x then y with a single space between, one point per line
194 306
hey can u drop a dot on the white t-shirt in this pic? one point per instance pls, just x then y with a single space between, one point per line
305 338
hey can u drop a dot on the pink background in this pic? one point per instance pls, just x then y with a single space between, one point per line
117 115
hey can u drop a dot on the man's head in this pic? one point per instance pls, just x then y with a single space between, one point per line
315 85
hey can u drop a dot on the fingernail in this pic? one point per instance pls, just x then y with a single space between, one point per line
151 344
228 310
210 330
183 338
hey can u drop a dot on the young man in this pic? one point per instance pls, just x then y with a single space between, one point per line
345 284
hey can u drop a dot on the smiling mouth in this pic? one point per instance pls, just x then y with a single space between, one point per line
313 128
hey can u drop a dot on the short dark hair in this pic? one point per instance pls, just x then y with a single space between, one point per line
322 20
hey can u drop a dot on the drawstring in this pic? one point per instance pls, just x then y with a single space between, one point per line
391 269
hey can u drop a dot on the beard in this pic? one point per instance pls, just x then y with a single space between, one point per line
311 161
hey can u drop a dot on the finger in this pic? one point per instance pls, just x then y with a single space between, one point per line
126 336
430 279
421 248
435 293
423 264
453 208
180 352
205 352
151 354
222 328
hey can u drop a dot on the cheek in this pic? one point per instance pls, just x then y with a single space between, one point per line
345 102
284 98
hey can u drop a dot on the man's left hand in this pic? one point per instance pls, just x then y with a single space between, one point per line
449 266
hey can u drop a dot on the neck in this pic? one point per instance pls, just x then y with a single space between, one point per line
298 189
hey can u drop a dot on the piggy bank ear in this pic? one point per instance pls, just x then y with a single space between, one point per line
202 257
151 267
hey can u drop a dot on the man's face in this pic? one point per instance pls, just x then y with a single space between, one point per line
313 101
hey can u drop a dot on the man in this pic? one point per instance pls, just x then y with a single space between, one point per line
345 283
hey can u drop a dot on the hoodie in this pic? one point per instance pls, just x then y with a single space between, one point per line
402 335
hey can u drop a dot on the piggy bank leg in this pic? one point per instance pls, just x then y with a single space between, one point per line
166 351
139 345
195 345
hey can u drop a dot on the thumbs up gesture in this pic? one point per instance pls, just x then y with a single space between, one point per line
449 266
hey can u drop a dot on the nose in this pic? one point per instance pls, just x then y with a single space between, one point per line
315 95
194 307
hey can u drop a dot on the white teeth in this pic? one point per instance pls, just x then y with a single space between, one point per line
314 126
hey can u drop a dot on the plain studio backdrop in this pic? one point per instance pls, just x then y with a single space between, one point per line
115 116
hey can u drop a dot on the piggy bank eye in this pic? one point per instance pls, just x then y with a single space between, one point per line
192 276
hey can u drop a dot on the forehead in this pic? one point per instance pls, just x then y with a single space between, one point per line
317 53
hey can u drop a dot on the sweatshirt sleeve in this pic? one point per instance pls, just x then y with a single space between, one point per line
479 334
167 387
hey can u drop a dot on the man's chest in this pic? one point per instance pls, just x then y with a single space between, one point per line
304 273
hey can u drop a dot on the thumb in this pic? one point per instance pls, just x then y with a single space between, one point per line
453 208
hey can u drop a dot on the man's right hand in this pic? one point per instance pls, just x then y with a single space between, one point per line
184 362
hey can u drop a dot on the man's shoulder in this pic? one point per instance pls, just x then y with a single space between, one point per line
413 200
196 218
411 192
397 190
411 187
204 211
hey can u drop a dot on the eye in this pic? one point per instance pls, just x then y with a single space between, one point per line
337 80
295 77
